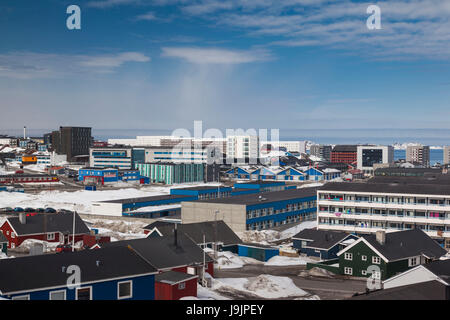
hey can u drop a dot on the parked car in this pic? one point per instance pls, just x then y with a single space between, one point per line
6 210
50 210
40 210
31 214
64 248
18 209
29 210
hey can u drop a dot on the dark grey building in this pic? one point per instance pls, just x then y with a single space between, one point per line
321 151
72 141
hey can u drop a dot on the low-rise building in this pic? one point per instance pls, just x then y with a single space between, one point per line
391 206
320 243
384 255
106 274
56 227
254 211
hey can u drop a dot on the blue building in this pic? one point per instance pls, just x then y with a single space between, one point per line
99 176
321 243
322 174
257 251
254 211
129 175
114 273
204 192
262 186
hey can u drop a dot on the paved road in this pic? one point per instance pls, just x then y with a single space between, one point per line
326 288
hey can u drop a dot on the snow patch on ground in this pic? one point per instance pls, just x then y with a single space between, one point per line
80 200
262 286
287 261
118 229
267 237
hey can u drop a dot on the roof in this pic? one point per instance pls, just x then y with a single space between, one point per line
262 182
48 270
202 188
321 238
173 277
430 290
345 148
404 244
250 199
441 268
410 188
148 199
57 222
162 253
439 179
195 231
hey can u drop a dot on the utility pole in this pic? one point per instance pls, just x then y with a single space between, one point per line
204 261
73 233
215 235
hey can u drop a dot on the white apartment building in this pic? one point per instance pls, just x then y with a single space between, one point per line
240 147
171 141
418 154
368 156
447 155
365 208
291 146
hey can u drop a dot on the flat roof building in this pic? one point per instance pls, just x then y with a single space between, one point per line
369 207
254 211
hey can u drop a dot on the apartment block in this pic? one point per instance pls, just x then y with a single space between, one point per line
418 154
365 208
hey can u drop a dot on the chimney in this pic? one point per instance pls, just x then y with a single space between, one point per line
381 237
24 132
175 235
23 218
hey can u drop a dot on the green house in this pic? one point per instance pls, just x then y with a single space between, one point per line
384 255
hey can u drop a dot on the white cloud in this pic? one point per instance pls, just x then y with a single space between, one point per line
215 56
29 65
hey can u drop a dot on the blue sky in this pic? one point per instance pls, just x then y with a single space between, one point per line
288 64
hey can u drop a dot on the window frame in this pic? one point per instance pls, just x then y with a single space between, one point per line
57 291
131 290
376 260
348 256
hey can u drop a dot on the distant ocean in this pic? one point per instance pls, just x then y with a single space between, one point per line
431 137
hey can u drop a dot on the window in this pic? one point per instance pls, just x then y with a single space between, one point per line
348 256
364 272
51 236
58 295
24 297
364 258
124 290
376 275
413 261
182 286
348 271
84 293
376 260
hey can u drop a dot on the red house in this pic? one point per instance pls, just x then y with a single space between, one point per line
173 285
57 227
